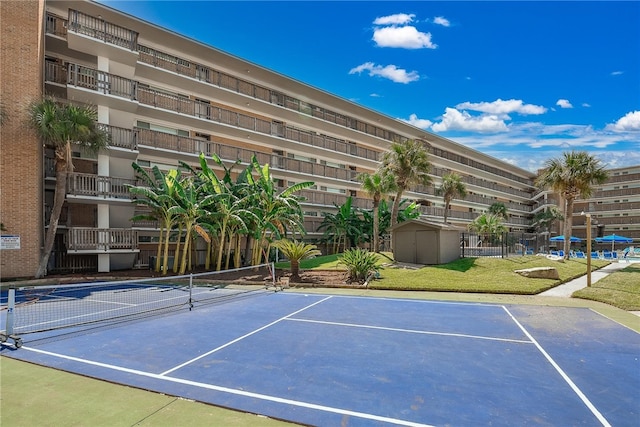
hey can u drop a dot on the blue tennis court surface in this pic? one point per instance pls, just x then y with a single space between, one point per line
330 360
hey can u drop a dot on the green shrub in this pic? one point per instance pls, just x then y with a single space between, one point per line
360 264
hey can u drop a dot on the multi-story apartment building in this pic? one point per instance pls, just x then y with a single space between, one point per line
165 98
614 206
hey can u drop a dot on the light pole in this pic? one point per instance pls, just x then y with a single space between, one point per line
588 215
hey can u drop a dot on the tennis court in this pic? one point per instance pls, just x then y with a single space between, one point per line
335 360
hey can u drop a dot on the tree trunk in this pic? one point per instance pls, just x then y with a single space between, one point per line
56 211
376 228
185 249
177 251
568 226
223 229
447 205
295 270
395 208
165 252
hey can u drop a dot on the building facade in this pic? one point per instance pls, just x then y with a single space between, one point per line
165 98
21 167
614 206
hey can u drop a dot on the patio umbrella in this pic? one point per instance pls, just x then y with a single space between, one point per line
561 239
613 238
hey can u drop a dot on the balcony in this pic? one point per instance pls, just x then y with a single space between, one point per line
195 146
99 188
101 240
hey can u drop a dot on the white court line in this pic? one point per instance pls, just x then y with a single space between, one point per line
573 386
411 331
243 337
260 396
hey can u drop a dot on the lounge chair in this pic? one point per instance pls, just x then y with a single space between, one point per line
580 254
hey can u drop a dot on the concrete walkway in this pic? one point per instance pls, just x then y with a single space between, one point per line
566 289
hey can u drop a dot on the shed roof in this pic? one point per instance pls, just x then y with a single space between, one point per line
428 224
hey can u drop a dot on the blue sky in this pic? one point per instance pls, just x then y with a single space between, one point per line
520 81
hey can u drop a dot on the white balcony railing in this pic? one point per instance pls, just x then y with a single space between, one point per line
86 239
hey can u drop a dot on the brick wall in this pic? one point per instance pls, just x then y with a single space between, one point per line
20 152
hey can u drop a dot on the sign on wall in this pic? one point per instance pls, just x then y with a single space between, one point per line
9 241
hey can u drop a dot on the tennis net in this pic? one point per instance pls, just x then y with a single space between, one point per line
45 308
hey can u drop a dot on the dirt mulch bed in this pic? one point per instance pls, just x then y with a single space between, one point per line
308 278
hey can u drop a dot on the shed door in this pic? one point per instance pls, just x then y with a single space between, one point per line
405 246
426 247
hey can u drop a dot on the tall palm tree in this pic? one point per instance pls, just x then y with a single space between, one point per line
409 164
377 185
63 126
572 176
452 187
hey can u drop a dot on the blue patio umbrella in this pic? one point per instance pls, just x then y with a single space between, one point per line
613 239
561 239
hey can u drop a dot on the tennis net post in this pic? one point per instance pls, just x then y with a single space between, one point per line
9 332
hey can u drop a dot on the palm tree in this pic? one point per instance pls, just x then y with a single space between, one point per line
409 164
191 208
545 218
452 187
377 185
342 225
158 194
63 126
296 251
572 176
499 209
488 225
278 211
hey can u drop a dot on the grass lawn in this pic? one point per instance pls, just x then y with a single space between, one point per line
487 275
621 289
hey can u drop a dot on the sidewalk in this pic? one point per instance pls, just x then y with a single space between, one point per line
566 289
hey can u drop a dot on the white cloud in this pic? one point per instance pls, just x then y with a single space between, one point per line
441 20
563 103
390 72
457 120
585 105
629 123
617 73
406 37
528 145
375 95
397 19
503 107
420 123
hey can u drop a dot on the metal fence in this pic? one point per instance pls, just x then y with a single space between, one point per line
502 244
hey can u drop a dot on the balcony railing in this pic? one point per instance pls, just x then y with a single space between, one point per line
120 137
195 146
100 29
101 239
107 83
89 185
99 81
